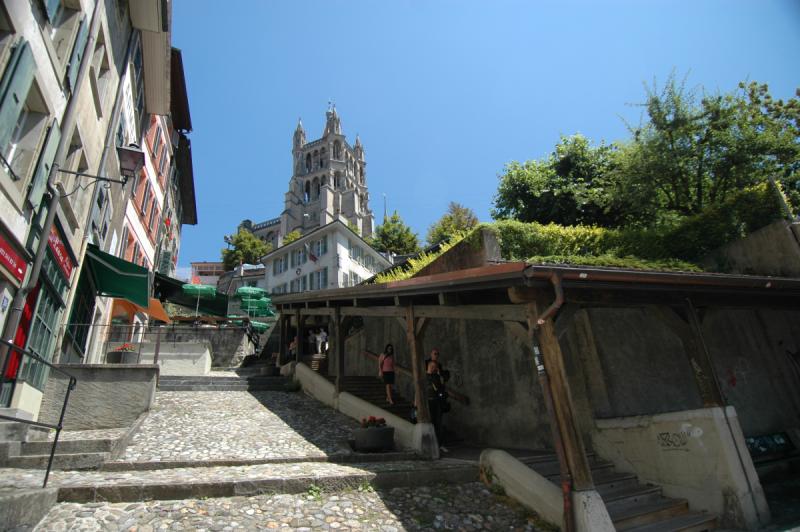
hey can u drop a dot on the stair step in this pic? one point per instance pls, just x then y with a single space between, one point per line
220 388
690 522
67 447
630 495
632 515
552 469
65 461
223 481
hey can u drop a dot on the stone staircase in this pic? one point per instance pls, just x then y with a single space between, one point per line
28 447
372 390
632 505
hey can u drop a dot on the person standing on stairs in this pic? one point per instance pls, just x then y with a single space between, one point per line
437 394
386 371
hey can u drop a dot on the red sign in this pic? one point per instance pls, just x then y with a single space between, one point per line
60 253
11 260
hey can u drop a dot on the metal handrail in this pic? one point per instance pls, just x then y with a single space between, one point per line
71 386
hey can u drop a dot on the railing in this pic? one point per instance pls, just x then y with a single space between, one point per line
10 349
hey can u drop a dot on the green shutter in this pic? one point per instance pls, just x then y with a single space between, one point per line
14 89
44 165
51 9
77 54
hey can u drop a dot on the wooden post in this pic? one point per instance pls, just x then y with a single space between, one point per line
712 395
420 385
301 342
553 359
338 348
282 348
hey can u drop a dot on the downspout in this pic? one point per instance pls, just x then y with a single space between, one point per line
68 127
544 382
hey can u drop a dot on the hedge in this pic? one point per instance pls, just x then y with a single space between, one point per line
662 248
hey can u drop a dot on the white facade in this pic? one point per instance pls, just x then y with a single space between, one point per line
332 256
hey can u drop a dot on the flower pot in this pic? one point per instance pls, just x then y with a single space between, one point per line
373 439
122 357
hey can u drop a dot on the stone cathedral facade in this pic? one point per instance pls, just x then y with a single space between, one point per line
328 183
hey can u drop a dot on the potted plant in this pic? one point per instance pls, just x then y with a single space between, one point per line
373 436
123 354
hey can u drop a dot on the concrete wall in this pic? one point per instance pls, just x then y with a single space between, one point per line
489 363
699 455
179 359
472 252
772 250
229 345
107 396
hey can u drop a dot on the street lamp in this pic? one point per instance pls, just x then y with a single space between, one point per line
131 161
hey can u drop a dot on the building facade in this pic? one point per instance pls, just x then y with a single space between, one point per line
80 81
331 256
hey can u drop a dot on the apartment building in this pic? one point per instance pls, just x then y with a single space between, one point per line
80 84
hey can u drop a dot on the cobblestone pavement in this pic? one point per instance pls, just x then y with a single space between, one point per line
198 426
464 507
323 471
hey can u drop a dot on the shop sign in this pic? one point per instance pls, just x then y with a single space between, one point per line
60 253
11 260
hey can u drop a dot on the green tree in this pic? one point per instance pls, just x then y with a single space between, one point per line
247 248
573 185
458 218
394 236
695 150
291 236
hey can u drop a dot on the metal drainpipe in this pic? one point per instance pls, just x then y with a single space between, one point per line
544 381
68 127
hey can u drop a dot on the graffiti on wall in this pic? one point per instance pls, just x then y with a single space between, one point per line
678 440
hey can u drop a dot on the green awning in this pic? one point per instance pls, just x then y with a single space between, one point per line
169 289
114 277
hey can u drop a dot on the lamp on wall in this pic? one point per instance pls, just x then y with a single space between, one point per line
131 161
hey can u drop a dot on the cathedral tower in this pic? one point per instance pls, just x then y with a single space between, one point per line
328 181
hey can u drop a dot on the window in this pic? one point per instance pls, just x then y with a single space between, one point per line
63 25
145 199
303 283
100 77
24 126
162 161
151 222
155 144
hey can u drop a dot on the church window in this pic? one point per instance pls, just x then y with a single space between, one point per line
323 155
316 159
337 179
324 180
337 150
308 163
315 189
307 195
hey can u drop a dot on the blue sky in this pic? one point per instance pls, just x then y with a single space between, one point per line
443 93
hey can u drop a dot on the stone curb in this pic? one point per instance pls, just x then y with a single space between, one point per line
251 486
119 447
351 458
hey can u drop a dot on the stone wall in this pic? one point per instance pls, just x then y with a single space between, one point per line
229 345
488 362
620 362
772 250
106 396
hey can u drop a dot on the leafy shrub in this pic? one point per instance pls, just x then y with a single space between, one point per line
689 239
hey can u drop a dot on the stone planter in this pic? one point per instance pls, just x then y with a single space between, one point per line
373 439
122 357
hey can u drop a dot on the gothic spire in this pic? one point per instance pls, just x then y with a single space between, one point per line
332 124
299 134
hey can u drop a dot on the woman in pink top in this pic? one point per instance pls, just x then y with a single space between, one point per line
386 370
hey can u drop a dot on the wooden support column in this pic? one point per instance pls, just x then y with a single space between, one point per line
338 348
417 360
553 359
712 393
301 341
688 330
284 343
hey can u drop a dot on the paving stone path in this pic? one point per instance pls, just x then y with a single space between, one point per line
463 507
201 426
284 471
